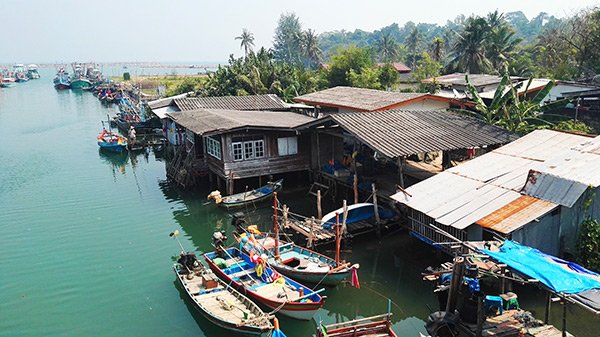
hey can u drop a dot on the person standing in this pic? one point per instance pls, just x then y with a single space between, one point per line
131 135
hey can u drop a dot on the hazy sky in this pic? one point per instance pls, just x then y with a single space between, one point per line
197 30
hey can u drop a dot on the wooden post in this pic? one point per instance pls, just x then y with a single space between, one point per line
376 209
309 244
344 218
548 305
401 171
319 168
458 271
564 318
503 281
337 239
275 225
230 184
480 315
355 187
285 216
319 211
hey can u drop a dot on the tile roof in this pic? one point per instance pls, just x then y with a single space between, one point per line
396 133
358 99
203 121
250 102
400 67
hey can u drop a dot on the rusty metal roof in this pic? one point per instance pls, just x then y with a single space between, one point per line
358 99
397 133
517 214
250 102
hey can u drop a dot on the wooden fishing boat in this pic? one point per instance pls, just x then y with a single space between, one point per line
62 80
80 83
7 83
32 72
110 141
241 199
217 301
263 285
380 326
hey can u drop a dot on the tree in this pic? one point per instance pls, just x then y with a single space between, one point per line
387 48
437 49
246 41
413 43
388 76
588 244
469 49
425 68
501 45
367 77
312 51
287 45
344 60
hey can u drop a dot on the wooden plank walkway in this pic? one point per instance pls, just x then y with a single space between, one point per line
506 325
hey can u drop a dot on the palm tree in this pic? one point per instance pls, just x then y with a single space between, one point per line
501 45
413 42
247 41
437 48
469 48
387 47
312 51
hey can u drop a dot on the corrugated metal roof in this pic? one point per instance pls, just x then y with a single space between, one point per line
162 112
163 102
536 84
396 133
250 102
204 121
359 99
516 214
468 192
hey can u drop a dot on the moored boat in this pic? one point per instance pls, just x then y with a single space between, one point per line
62 80
80 83
241 199
217 301
32 71
7 82
110 141
262 284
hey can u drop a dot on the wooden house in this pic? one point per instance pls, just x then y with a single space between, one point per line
238 144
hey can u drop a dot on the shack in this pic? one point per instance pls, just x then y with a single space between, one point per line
350 99
536 190
238 144
356 150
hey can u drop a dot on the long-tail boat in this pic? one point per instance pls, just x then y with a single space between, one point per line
253 277
241 199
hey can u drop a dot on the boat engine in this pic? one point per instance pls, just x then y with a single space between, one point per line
219 239
188 260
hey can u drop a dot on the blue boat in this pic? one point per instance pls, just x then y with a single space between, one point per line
110 141
62 80
254 278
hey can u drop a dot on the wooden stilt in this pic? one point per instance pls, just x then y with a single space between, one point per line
376 210
309 243
480 315
275 225
319 211
285 215
458 271
564 318
337 239
355 187
401 172
548 306
344 218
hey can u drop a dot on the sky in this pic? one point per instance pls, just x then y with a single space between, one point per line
203 31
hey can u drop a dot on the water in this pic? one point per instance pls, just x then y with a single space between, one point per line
84 246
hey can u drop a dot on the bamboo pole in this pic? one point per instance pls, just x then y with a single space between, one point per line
285 216
309 244
337 239
319 211
344 218
275 225
355 187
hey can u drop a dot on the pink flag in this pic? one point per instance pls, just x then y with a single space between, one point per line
354 280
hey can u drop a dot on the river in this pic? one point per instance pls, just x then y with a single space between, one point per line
84 238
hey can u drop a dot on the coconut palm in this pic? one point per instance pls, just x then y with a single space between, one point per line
501 44
469 48
247 41
387 47
312 51
437 48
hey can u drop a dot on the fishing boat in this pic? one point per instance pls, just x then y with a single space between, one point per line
361 217
19 73
241 199
253 277
7 83
80 83
217 301
32 71
110 141
62 80
380 326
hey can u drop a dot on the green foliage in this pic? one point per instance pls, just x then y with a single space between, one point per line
346 60
246 41
388 76
367 77
287 44
588 244
187 84
574 126
425 68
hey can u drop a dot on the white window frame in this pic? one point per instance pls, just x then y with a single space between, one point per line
284 148
213 147
240 156
260 142
243 146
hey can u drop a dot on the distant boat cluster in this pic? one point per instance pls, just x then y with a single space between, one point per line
18 74
84 77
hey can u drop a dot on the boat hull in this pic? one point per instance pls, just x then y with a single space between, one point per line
80 84
112 147
247 330
327 279
62 86
7 85
298 310
278 185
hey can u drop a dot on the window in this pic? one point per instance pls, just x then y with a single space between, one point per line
248 150
213 147
237 151
287 146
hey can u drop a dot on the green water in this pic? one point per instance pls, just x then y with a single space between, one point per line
84 246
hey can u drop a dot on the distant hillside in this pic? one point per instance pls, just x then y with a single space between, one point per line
524 28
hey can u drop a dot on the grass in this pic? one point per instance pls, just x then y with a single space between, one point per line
175 84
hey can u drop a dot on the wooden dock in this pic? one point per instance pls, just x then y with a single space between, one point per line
507 325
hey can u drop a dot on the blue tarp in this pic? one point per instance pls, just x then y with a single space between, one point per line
557 274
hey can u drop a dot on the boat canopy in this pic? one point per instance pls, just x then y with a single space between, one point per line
557 274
